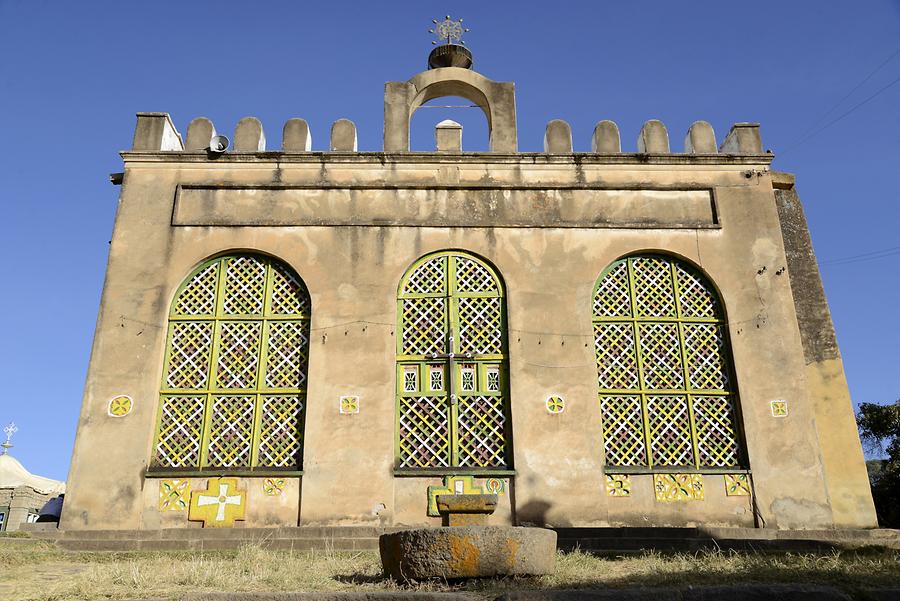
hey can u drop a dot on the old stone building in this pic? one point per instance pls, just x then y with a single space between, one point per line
299 336
23 494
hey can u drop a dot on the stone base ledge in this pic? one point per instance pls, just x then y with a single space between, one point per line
39 527
356 538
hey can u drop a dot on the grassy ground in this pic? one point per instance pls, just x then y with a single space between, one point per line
43 573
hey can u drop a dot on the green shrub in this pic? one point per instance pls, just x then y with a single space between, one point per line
879 428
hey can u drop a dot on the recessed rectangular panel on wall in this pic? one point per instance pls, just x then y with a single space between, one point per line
560 207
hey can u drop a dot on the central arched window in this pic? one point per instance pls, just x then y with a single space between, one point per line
234 380
452 400
667 397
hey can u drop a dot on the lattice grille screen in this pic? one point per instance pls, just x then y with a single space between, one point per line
235 374
451 304
663 367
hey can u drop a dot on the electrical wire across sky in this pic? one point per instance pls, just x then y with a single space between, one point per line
814 130
821 125
862 257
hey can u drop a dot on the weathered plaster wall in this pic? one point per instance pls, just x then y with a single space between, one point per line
352 272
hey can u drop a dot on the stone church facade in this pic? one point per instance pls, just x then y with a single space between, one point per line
295 337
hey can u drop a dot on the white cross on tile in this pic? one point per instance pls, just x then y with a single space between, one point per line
222 500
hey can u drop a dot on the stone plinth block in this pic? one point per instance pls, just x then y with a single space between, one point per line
606 138
343 135
742 139
558 137
466 510
295 136
654 138
467 552
700 139
448 136
199 134
249 136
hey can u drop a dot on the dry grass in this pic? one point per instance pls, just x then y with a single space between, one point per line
43 573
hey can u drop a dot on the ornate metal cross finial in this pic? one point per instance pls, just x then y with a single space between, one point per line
448 30
10 430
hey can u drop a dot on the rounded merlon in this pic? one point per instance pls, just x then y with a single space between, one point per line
558 137
200 133
606 138
249 135
653 139
343 135
700 139
295 136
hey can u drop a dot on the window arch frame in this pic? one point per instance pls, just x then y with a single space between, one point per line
729 390
266 395
453 372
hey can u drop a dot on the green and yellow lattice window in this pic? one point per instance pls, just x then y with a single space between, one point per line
452 409
234 380
666 393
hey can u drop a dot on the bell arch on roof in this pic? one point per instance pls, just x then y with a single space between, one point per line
496 99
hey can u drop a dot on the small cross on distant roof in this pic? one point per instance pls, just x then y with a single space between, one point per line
10 429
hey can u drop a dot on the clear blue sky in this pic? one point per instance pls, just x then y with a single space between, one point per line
72 75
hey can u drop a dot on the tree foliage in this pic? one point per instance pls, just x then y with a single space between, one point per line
879 428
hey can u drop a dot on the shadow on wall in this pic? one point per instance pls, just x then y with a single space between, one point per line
532 513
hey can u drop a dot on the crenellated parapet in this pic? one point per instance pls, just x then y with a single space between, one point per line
156 131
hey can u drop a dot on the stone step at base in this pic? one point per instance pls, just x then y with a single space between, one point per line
282 544
727 533
638 545
737 539
220 533
642 532
357 538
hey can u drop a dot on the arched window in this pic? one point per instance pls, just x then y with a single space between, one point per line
234 379
452 400
667 397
